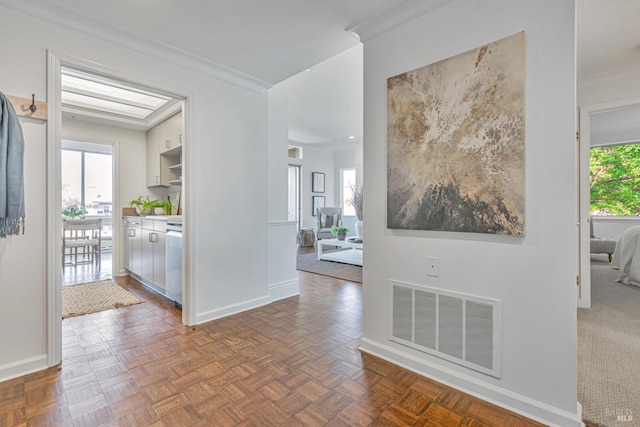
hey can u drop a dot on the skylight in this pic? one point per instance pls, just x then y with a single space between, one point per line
104 96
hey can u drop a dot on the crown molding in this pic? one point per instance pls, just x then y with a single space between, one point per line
391 18
632 72
71 19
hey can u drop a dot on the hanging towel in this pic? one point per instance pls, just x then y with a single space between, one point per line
11 171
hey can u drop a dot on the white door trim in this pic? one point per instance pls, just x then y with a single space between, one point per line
55 61
584 296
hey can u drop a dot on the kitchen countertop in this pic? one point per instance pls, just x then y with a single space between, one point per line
156 217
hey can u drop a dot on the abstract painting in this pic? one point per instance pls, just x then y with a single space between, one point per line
456 143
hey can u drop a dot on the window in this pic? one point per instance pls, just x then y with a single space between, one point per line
87 178
615 180
347 184
294 194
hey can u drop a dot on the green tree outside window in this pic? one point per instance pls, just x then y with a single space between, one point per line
615 180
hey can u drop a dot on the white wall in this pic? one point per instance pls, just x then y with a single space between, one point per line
283 276
533 276
315 160
131 148
613 227
226 225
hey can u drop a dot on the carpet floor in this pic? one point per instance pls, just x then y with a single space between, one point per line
308 262
609 350
92 297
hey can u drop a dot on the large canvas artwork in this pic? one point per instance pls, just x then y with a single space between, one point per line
456 143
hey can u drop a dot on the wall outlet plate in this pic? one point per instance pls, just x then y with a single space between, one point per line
433 266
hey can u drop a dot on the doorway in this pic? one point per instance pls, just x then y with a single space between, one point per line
76 93
586 115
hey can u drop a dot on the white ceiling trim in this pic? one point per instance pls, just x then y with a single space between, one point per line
130 40
393 17
622 74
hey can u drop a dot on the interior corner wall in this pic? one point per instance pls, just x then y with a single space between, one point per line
131 147
533 276
227 137
278 152
282 250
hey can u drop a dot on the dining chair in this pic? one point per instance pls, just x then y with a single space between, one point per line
84 237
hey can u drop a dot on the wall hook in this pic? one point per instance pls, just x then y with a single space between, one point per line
33 107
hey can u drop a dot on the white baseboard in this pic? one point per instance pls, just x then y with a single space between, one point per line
282 290
231 309
514 402
23 367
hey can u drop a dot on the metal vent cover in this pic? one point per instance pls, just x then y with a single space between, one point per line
461 328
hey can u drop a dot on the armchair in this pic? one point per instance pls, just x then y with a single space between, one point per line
325 219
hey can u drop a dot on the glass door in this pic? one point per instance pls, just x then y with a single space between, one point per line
87 192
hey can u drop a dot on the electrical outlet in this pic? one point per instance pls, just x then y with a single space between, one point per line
433 266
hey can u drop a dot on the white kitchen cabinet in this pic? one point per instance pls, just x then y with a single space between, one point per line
164 151
144 250
153 253
153 157
159 261
171 133
147 255
133 245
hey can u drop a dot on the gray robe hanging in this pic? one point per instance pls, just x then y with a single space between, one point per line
11 171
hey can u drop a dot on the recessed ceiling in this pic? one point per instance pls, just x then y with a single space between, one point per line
95 98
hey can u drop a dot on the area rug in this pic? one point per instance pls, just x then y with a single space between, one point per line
609 350
92 297
308 262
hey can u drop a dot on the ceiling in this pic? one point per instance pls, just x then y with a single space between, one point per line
325 102
269 40
608 36
273 40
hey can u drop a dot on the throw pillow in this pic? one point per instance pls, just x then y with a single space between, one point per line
328 221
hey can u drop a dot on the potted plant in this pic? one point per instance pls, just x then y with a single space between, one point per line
72 212
160 207
141 205
339 231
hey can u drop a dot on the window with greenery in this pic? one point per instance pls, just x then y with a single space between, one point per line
615 180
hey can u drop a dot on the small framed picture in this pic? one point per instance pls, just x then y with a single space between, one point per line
317 182
318 202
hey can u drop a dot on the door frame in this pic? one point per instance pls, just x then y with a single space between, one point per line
55 62
584 290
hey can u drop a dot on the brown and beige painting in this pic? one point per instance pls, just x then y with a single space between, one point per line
455 143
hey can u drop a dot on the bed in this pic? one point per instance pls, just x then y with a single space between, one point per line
627 257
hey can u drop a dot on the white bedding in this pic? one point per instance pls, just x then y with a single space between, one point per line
627 257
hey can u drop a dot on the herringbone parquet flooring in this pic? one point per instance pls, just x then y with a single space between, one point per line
292 363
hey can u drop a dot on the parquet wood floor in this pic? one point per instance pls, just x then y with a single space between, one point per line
292 363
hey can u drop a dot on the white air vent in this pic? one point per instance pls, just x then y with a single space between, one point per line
461 328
